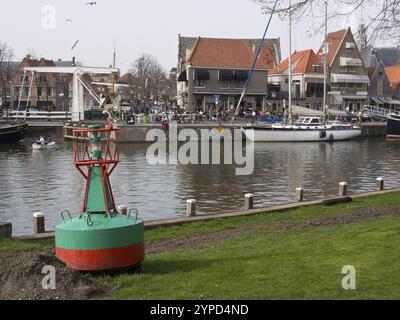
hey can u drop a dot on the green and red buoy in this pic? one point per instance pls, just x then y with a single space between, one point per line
100 239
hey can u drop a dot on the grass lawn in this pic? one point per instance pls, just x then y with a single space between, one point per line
293 264
304 264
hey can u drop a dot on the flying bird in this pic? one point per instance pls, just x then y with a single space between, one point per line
73 47
90 3
68 20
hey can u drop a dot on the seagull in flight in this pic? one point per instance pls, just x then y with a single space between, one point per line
90 3
68 20
73 47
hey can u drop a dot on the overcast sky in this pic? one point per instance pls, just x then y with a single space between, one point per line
150 26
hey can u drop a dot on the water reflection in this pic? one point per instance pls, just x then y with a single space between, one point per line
47 181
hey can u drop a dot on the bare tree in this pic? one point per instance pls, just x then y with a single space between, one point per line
141 66
382 17
6 54
149 75
157 76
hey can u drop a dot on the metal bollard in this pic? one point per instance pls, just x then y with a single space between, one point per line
249 201
343 189
300 194
38 223
380 184
191 208
122 210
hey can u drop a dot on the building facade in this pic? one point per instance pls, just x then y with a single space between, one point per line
212 72
382 64
307 82
48 92
348 76
393 75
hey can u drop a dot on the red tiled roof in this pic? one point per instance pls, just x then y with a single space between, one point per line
39 63
334 39
302 62
28 62
230 54
393 74
126 78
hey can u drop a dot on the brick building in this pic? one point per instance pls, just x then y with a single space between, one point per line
307 82
212 72
48 92
348 76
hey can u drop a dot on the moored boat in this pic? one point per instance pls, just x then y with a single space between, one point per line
393 126
12 132
306 129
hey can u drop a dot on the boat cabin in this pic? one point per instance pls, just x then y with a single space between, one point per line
309 121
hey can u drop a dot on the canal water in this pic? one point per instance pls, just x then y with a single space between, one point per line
46 180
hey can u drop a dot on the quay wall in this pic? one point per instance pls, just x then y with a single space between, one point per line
240 213
372 129
138 133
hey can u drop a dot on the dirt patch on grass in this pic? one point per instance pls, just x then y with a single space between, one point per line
21 278
197 240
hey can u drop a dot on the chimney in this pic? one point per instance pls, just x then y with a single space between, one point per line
73 61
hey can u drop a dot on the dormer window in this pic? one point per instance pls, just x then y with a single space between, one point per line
350 46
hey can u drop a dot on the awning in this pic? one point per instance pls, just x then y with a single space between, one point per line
349 78
337 99
376 100
201 75
390 101
355 97
350 45
241 75
350 62
182 76
334 112
226 75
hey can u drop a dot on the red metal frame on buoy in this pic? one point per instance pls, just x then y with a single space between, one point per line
107 163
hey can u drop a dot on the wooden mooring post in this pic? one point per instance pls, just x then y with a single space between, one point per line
380 184
191 208
300 194
343 189
249 201
38 223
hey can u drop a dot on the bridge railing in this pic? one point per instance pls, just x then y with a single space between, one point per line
378 111
39 115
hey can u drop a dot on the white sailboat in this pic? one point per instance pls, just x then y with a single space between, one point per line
306 129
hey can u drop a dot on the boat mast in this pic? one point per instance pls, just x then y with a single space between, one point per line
114 64
290 61
325 59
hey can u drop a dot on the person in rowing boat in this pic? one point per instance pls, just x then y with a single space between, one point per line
41 141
